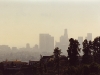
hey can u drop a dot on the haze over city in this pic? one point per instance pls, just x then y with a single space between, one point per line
21 22
49 37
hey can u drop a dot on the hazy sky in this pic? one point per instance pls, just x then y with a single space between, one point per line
21 21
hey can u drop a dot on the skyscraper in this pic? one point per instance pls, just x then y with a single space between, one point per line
65 33
64 42
46 42
80 40
89 36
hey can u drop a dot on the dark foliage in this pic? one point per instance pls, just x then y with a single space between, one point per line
57 64
73 51
87 57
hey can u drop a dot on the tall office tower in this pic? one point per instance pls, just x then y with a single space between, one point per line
80 40
46 42
89 36
64 41
64 38
28 46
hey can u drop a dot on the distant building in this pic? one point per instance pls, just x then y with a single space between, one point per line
28 46
35 48
15 65
35 63
4 47
64 38
45 59
89 36
46 42
14 48
80 40
22 49
64 42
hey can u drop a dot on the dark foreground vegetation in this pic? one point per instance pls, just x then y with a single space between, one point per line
57 64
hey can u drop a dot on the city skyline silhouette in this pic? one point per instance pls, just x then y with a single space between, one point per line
49 37
88 37
22 22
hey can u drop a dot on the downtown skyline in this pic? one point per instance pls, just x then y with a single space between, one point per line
45 47
64 37
22 22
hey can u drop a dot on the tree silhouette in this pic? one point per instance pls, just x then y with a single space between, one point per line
40 66
73 51
19 73
57 53
96 48
87 46
1 73
86 70
94 68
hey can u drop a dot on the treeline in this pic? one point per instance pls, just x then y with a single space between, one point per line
57 64
87 64
91 51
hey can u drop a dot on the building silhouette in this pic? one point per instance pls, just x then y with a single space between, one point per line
64 42
28 46
80 40
4 48
89 36
14 48
36 48
46 43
